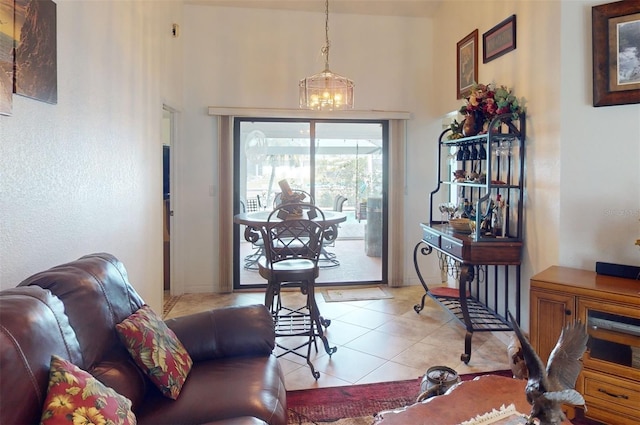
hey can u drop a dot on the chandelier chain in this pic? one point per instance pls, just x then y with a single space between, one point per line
326 91
325 49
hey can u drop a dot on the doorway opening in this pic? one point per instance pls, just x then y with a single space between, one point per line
341 164
168 139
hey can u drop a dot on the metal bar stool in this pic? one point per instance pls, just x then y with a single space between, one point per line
293 243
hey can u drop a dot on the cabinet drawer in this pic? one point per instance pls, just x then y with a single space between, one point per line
451 246
432 239
616 393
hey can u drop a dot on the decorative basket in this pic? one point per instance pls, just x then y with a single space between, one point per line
460 225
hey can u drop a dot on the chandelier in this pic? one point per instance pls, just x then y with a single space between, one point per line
326 90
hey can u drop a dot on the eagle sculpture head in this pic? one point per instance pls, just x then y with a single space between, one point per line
548 388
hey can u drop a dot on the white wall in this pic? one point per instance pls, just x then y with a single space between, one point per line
229 64
85 175
582 176
254 58
599 204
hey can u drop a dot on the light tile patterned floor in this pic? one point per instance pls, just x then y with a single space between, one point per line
377 340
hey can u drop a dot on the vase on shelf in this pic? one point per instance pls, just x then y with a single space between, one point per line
473 123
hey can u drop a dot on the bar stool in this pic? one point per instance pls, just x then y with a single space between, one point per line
293 238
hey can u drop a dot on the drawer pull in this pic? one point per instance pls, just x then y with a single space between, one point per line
626 397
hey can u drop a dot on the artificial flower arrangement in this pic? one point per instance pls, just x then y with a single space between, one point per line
485 101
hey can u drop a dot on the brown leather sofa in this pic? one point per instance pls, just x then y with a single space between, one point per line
71 310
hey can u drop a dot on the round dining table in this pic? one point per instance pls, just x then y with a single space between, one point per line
255 219
258 218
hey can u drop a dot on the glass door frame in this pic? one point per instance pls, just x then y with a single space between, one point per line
237 148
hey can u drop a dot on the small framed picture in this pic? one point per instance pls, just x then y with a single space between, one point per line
499 39
616 53
467 64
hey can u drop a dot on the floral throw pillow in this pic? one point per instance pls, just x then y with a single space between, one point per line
76 397
156 349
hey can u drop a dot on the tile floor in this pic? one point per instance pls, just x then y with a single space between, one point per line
377 340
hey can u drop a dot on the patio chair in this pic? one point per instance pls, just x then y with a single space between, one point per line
251 260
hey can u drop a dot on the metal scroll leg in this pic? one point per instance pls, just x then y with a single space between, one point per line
424 250
467 274
466 356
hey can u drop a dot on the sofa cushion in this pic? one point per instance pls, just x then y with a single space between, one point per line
76 397
220 390
33 326
96 294
156 349
124 376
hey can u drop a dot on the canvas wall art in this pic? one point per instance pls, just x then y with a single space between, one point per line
36 73
6 57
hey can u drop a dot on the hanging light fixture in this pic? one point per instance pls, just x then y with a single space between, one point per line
326 90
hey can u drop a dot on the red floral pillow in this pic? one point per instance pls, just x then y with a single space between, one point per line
76 397
156 349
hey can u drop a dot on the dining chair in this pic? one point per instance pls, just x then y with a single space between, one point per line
251 260
293 244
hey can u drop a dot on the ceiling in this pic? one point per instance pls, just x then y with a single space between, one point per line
410 8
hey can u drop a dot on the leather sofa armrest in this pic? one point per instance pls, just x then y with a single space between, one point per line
226 332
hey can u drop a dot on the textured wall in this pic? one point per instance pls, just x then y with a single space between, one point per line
85 175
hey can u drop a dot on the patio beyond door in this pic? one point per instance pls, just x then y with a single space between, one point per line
341 165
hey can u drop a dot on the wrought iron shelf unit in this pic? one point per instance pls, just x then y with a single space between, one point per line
484 266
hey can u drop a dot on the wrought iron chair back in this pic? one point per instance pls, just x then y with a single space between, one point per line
288 235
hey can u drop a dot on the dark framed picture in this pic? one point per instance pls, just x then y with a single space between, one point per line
36 69
467 64
6 57
499 39
616 53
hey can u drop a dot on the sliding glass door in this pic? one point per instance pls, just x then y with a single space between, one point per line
340 164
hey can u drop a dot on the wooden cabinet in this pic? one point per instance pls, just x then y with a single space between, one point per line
549 311
610 306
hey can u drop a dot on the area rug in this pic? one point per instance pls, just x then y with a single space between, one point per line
358 294
358 404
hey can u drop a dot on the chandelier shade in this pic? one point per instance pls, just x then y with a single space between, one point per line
326 91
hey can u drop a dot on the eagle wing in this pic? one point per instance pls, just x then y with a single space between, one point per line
537 373
564 363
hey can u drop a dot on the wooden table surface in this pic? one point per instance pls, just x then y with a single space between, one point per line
461 403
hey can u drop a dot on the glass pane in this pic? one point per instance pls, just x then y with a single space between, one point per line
349 164
342 171
273 151
614 338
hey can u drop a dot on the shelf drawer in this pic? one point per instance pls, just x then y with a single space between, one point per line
615 393
431 238
451 246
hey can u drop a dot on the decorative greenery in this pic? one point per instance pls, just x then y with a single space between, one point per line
489 101
456 130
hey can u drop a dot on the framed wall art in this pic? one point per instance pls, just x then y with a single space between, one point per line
36 73
6 57
616 53
467 64
499 39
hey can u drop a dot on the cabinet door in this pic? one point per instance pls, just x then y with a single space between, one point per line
614 338
549 312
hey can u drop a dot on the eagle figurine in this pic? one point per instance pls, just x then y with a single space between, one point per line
548 388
